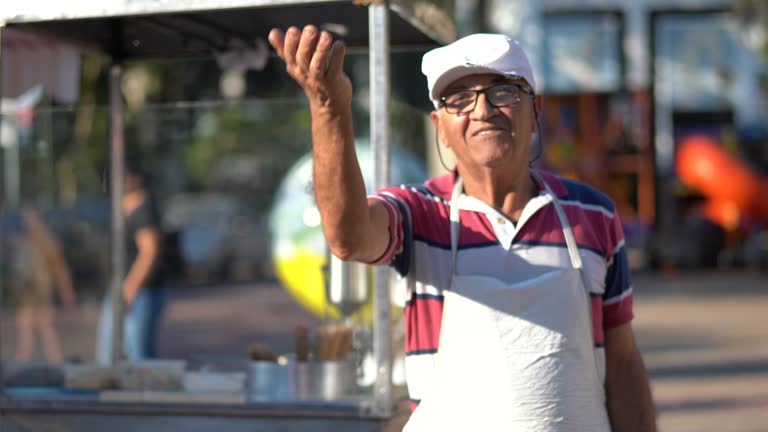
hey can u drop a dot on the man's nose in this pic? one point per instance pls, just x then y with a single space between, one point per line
483 107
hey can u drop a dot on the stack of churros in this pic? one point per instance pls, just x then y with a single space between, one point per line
333 342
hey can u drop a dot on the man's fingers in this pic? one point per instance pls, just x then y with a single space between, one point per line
277 40
292 36
336 65
307 45
312 58
319 63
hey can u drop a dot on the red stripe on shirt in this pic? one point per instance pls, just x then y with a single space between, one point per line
617 314
591 229
423 317
395 230
597 320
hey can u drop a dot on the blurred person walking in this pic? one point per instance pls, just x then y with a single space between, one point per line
38 264
144 290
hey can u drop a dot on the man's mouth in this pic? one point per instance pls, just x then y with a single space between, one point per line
492 131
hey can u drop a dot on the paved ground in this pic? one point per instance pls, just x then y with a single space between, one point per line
704 337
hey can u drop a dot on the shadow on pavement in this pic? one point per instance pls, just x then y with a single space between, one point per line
731 369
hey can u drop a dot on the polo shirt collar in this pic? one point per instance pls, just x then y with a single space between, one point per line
443 188
505 229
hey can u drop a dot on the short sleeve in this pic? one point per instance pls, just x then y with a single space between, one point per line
398 252
145 216
619 296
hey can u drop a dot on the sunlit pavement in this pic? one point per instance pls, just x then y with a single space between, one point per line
704 338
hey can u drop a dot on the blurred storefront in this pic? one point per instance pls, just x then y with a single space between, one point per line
623 84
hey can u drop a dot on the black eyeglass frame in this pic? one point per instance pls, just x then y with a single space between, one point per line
520 87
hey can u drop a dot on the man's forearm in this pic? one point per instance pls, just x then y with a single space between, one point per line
630 405
338 181
316 62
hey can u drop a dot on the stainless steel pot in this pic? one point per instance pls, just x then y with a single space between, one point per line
331 380
327 380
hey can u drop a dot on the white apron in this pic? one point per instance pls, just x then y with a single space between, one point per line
515 357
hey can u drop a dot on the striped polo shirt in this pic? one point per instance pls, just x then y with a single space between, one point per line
492 245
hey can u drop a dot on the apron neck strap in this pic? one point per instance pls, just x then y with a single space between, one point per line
455 220
570 240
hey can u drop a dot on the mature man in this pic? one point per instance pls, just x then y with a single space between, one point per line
519 296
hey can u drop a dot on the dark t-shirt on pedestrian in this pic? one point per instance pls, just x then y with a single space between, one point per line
146 215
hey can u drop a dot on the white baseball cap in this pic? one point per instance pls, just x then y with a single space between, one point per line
480 53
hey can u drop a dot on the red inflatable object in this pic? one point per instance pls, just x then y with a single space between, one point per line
724 213
705 166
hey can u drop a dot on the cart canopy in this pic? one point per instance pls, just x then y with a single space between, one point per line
141 29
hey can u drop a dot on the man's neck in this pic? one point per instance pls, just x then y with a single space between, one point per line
506 192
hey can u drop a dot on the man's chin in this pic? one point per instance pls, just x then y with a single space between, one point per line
495 162
500 154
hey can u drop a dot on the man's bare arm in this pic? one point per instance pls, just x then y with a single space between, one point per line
630 406
355 229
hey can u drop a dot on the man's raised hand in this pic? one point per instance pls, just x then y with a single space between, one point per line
316 62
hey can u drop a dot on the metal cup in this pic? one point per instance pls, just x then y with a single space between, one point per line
267 381
299 380
332 380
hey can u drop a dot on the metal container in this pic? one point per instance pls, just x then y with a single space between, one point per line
332 380
347 287
300 380
327 380
267 381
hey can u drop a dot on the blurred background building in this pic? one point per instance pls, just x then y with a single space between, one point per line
624 84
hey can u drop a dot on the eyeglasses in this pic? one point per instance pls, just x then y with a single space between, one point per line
498 95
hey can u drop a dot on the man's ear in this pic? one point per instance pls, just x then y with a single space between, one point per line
436 122
435 117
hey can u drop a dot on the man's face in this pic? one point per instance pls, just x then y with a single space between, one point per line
487 136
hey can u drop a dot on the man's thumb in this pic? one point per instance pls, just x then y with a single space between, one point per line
336 64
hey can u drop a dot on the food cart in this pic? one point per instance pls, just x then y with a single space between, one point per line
131 30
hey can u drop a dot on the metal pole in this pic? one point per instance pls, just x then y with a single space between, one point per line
11 165
2 205
378 32
117 181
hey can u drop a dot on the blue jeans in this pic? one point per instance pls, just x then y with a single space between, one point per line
141 321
